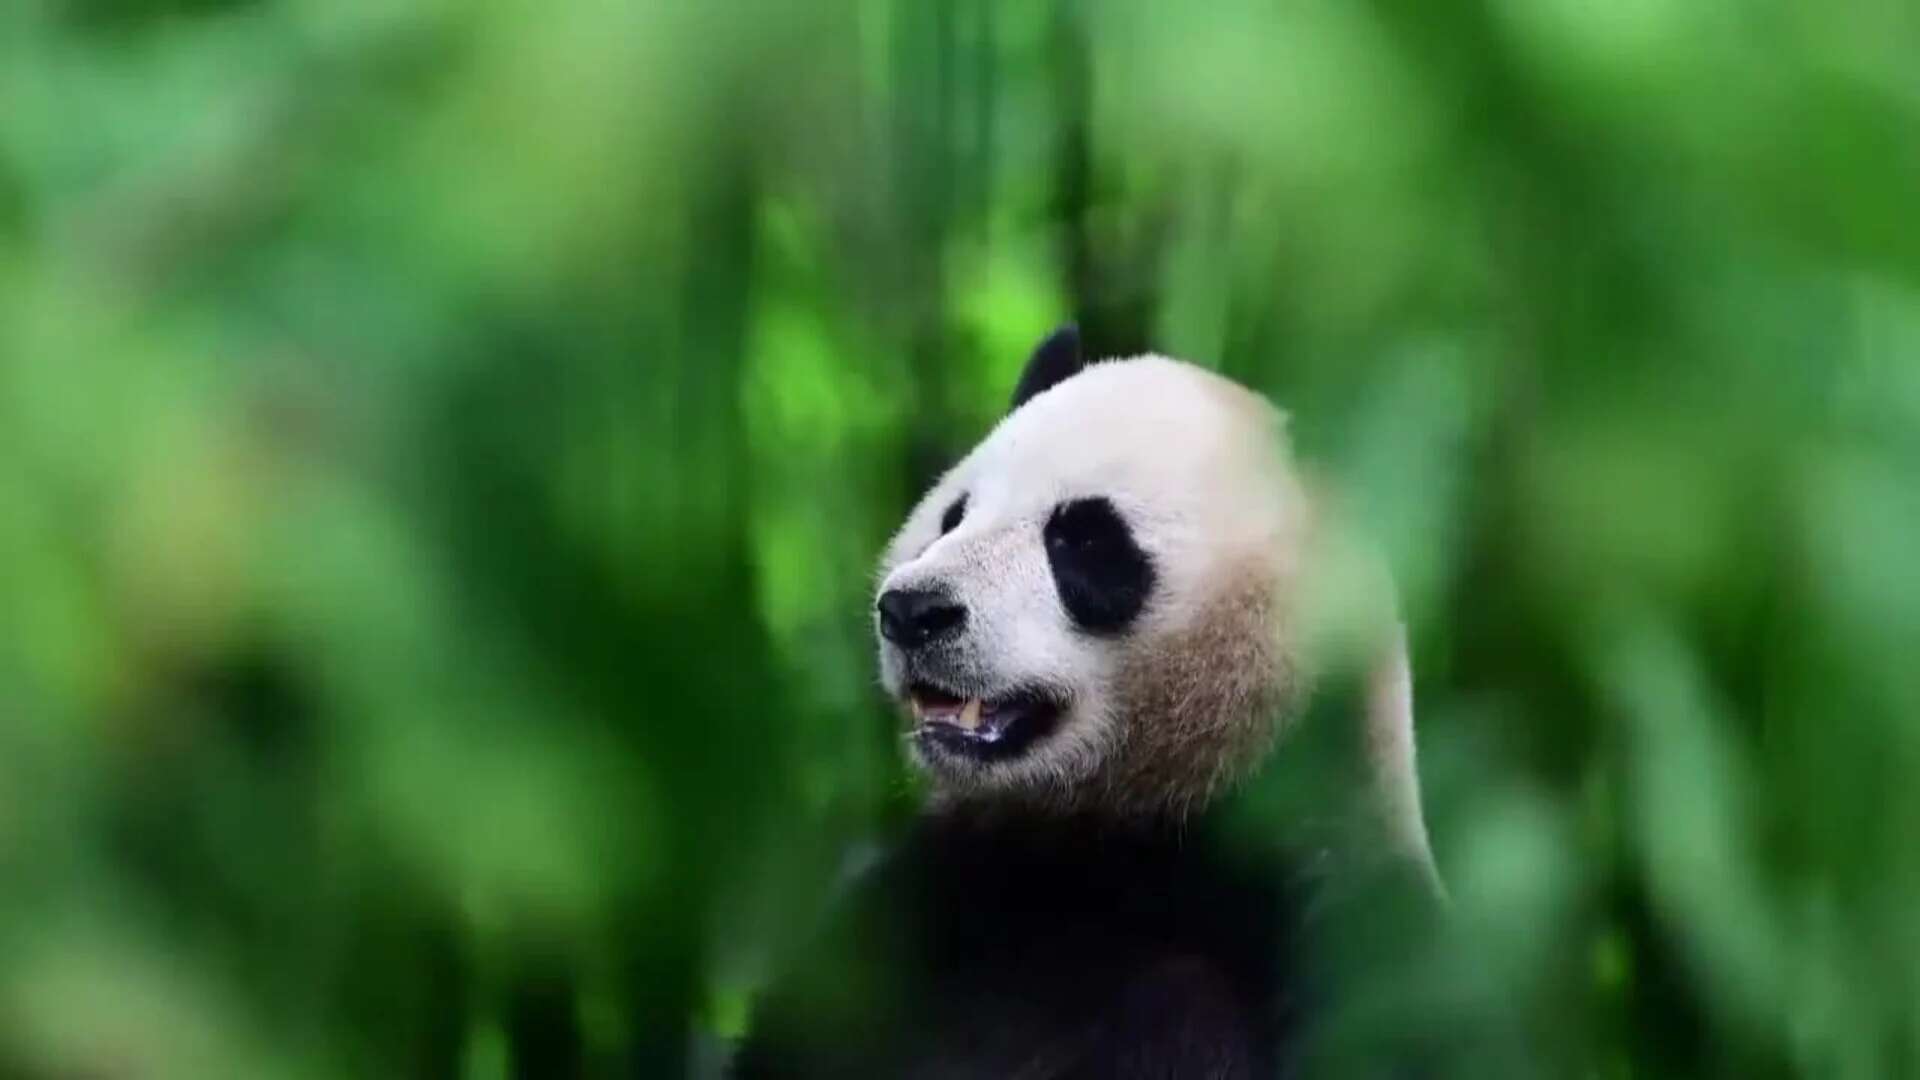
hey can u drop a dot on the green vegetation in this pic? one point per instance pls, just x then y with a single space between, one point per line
443 447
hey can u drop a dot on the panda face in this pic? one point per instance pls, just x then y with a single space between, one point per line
1085 608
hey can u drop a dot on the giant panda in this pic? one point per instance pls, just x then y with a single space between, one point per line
1099 627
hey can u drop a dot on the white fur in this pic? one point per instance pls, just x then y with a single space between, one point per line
1194 462
1390 757
1184 700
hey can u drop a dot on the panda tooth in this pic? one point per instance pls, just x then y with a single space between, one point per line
970 715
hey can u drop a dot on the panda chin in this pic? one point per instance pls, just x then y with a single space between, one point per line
980 729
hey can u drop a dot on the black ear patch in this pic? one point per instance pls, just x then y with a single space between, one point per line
1053 362
1103 576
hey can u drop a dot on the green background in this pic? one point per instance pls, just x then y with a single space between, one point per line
444 446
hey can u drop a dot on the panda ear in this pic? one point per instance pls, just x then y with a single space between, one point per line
1054 361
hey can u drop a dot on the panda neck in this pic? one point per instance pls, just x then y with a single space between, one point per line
1023 831
1094 811
1090 851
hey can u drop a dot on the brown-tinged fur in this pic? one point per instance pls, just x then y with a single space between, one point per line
1198 708
1204 703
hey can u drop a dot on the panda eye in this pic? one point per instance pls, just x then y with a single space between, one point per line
1102 574
1083 525
953 516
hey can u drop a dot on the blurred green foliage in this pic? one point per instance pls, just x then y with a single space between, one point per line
443 446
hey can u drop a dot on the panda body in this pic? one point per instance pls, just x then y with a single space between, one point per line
1095 627
1055 948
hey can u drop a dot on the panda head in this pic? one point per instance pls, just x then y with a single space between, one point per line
1091 610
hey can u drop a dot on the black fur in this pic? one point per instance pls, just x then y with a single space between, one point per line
1054 361
1011 943
1043 948
1103 576
954 515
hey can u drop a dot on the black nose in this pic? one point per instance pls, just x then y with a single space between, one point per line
911 618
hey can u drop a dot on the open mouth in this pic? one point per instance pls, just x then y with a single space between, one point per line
986 729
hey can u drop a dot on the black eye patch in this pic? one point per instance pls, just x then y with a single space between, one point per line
1102 574
953 516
